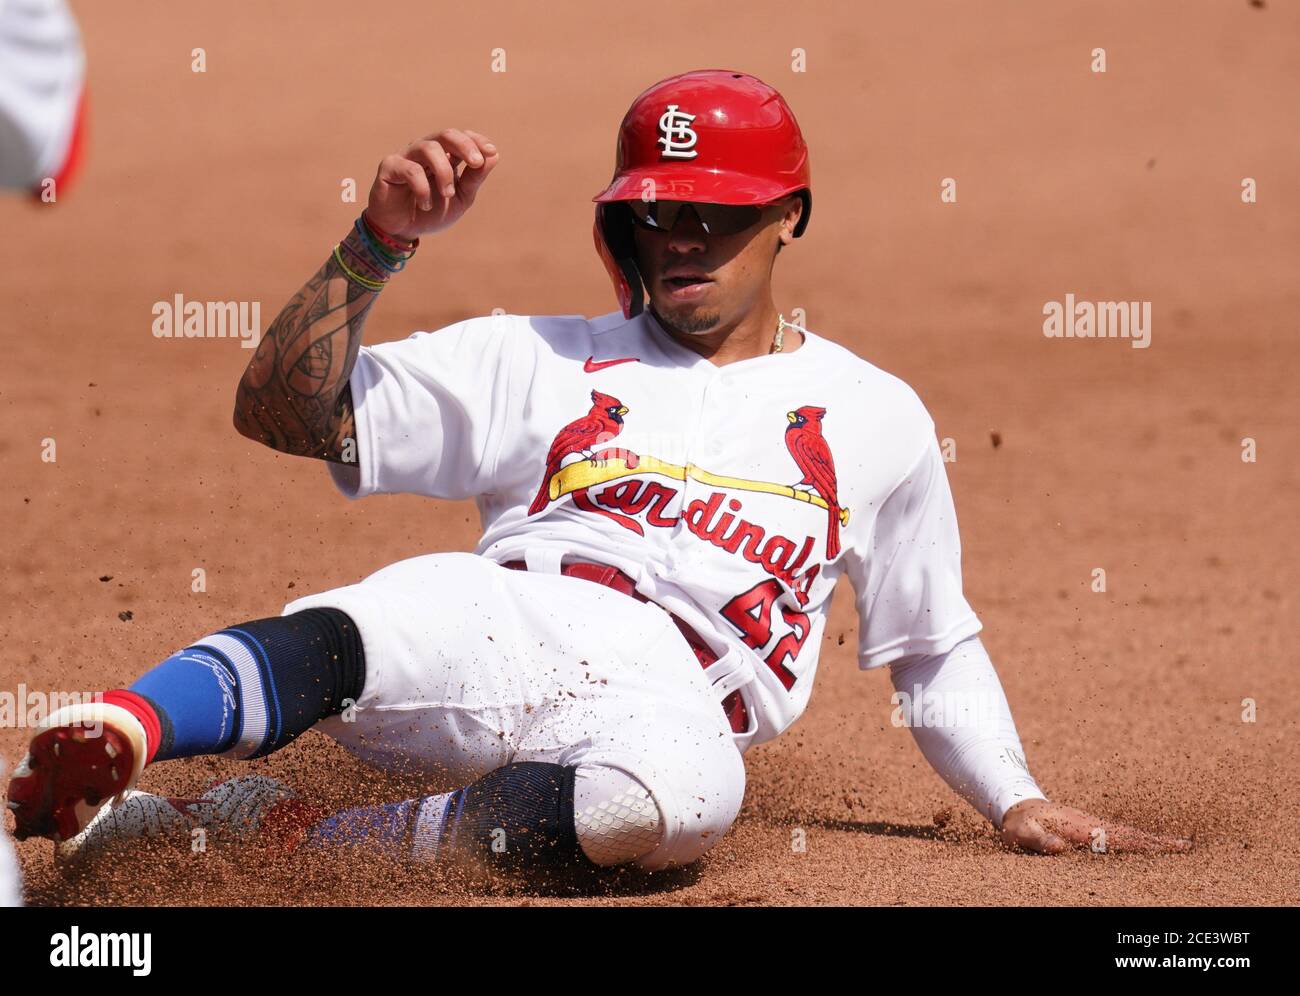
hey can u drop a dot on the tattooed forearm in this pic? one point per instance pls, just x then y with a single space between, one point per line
294 396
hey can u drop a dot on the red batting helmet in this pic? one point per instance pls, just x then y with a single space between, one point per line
708 136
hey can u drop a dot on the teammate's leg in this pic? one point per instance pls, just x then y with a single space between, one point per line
42 98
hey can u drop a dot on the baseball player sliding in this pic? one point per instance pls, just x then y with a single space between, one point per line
669 494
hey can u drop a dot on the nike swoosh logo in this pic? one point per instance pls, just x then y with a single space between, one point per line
593 364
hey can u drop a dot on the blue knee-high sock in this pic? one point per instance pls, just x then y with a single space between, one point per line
385 828
518 817
256 686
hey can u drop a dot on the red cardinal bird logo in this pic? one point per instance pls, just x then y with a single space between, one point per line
804 440
601 424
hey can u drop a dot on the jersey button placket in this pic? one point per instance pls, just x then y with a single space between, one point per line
702 450
707 444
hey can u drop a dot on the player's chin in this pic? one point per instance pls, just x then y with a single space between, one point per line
694 322
686 317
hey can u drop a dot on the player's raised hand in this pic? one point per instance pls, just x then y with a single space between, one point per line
424 189
1050 828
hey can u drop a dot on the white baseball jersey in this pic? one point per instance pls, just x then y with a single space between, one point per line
734 496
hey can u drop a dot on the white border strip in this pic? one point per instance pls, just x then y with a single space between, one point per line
252 696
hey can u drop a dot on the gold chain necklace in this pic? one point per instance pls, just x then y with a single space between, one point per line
779 342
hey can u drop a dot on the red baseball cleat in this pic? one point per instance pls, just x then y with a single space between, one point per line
84 757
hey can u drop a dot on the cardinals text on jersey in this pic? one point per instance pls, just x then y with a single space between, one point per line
735 496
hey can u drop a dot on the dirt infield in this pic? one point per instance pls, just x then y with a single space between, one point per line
1071 454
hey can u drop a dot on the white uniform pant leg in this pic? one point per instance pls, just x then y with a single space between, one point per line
471 665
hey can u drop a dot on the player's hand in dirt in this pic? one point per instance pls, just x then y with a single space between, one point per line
424 189
1050 828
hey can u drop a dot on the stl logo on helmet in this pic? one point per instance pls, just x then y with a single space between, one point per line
676 134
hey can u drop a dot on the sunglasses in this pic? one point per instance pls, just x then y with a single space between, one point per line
716 219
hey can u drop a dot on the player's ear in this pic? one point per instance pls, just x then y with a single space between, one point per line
792 211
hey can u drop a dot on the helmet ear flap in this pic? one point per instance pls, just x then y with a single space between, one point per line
617 249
